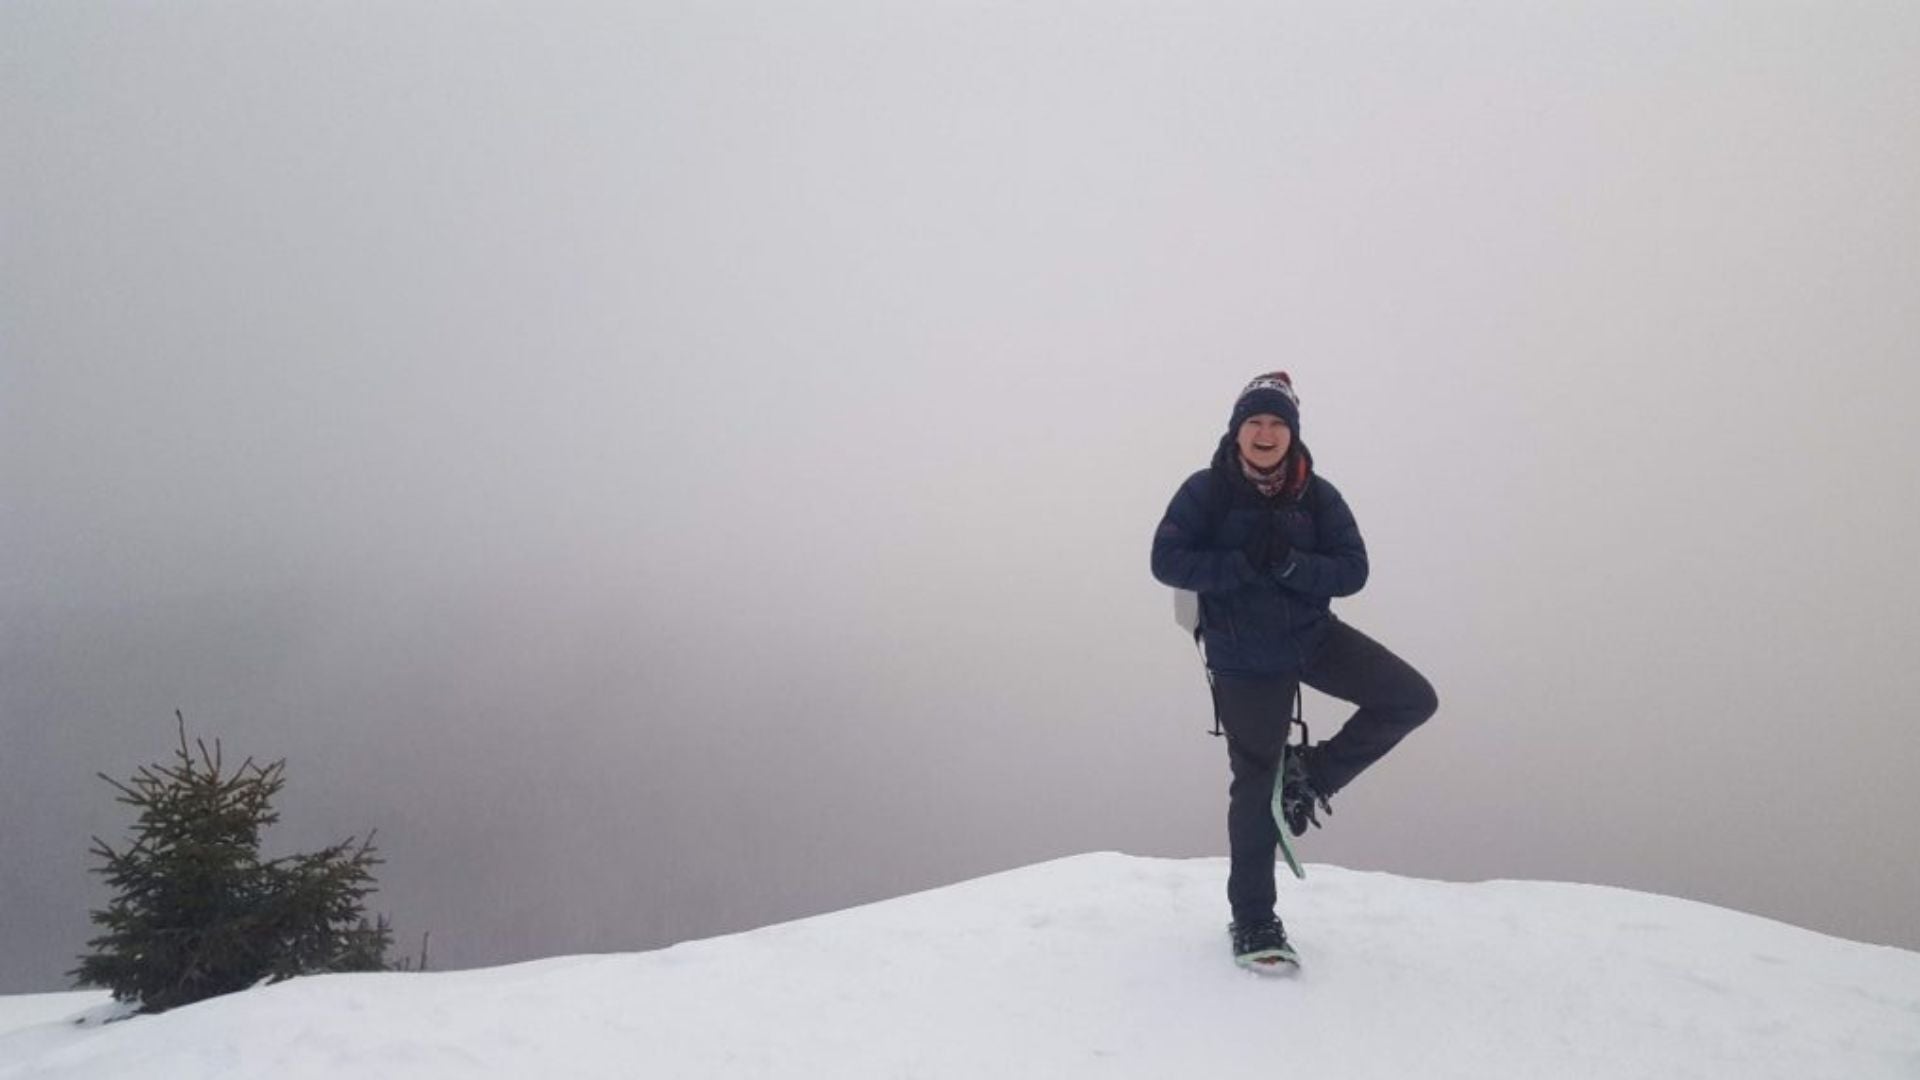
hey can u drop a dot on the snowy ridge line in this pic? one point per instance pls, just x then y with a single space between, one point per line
1100 964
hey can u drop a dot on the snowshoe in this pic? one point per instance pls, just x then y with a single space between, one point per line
1262 947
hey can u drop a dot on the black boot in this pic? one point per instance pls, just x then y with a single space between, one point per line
1299 798
1262 946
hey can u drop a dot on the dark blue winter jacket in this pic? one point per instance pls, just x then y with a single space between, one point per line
1259 622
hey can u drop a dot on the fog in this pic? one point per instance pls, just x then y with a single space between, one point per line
671 468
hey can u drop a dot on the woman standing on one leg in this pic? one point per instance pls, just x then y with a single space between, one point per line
1267 544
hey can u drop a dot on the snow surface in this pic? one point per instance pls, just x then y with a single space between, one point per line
1099 965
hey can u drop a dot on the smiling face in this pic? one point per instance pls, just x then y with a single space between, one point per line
1264 440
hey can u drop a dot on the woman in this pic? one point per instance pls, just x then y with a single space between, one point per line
1267 544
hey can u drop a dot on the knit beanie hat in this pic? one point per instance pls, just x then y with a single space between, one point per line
1270 393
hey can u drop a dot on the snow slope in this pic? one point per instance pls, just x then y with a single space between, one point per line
1099 965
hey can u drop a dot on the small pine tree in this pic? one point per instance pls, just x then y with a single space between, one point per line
196 913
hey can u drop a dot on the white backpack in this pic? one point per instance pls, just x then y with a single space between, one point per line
1186 611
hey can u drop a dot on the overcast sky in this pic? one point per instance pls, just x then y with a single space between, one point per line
676 467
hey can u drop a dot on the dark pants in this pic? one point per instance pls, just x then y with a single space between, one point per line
1393 699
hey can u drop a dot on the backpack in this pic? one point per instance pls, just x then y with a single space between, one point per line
1186 611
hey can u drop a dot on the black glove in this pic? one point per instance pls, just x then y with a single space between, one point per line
1269 551
1279 552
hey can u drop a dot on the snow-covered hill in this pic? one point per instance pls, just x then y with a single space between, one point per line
1100 965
